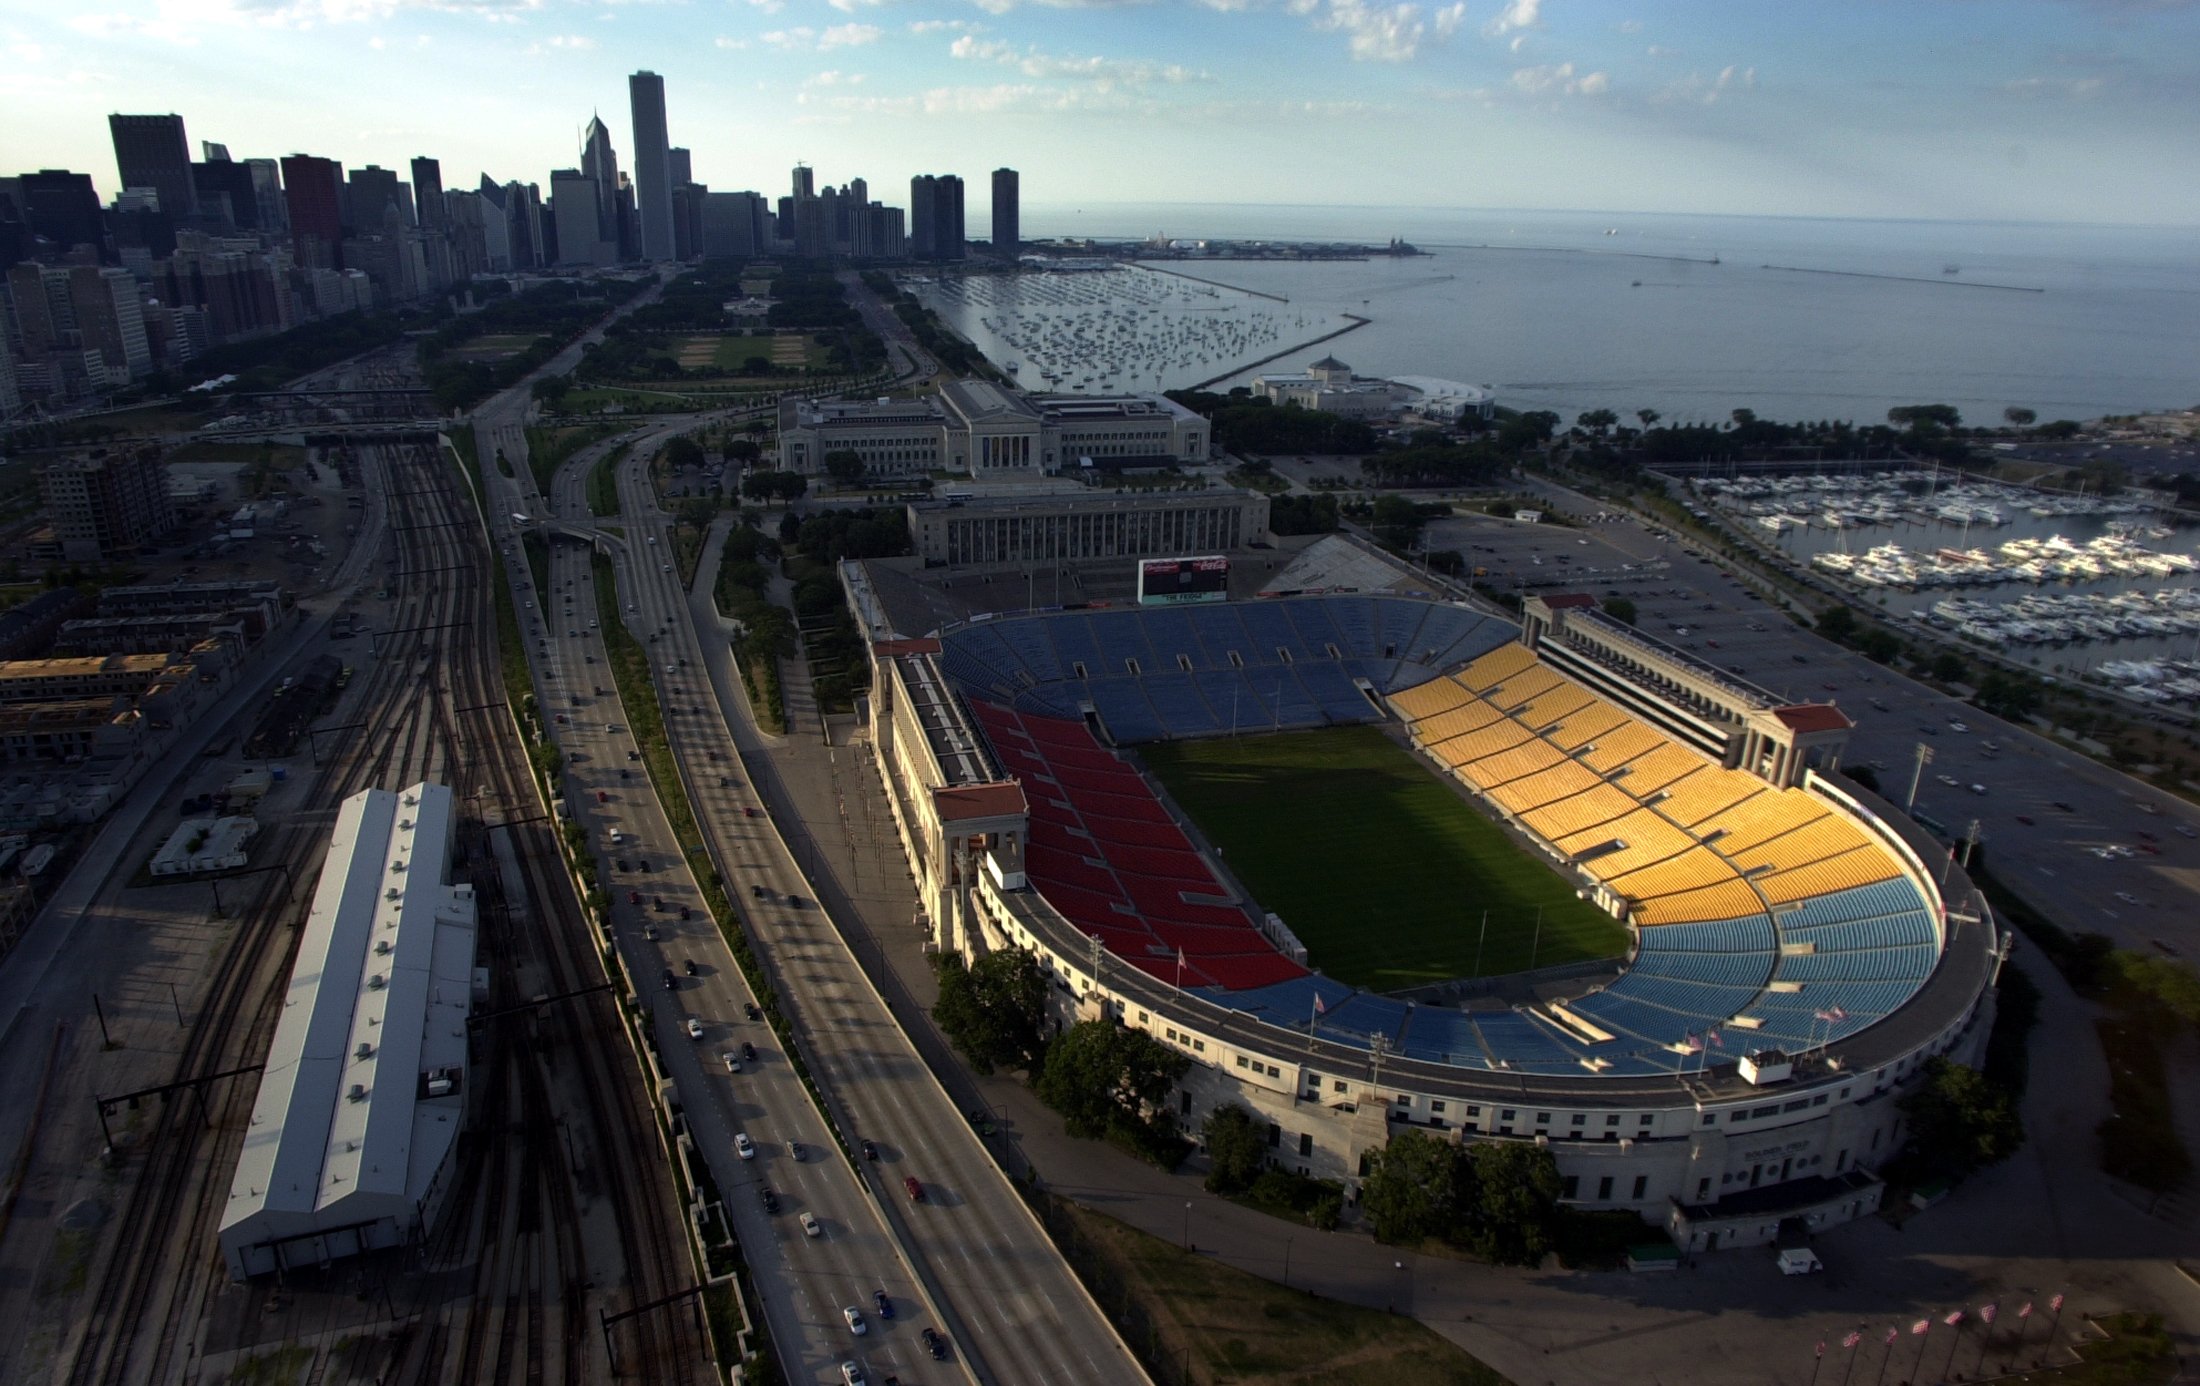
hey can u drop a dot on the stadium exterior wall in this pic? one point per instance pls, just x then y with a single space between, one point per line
1676 1149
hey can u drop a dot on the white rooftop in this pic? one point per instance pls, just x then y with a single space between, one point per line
343 1133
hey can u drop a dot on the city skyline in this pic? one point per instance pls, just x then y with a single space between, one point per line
2045 111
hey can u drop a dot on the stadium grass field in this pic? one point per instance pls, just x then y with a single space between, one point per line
1379 867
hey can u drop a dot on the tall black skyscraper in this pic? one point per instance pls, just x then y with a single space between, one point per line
61 207
151 152
226 191
428 193
1008 230
652 167
370 193
936 217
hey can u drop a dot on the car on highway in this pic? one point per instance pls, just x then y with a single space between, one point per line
2025 819
1948 780
870 1150
810 1225
748 1051
854 1318
851 1374
625 864
671 982
689 966
743 1146
694 1028
2182 830
884 1305
935 1343
914 1189
794 1148
758 891
769 1199
2127 897
1958 728
731 1060
634 897
2066 808
750 1008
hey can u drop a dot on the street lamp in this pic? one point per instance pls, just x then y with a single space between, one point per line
1187 1225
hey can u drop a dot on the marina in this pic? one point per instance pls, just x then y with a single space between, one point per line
1120 329
2104 587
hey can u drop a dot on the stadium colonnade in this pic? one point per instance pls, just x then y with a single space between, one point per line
1794 960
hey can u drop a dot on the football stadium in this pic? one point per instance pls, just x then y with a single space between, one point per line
1373 860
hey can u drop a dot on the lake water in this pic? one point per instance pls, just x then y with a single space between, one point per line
1798 319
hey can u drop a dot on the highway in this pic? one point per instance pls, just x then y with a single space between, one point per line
806 1282
1014 1309
1027 1316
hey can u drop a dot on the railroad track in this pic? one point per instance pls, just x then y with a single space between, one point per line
430 705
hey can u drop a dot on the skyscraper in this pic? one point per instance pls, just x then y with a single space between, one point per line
371 191
600 163
151 152
679 165
923 222
267 187
313 192
1007 215
936 217
804 184
652 167
62 207
225 191
428 193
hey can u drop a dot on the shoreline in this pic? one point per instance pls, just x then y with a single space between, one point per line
1210 283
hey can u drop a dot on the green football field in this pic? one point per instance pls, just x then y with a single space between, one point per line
1382 871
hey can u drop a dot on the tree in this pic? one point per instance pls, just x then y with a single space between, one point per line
1620 609
1649 417
995 1012
1104 1077
844 466
1410 1191
1597 421
1837 623
1960 1120
681 453
1516 1212
552 389
1236 1149
2019 417
1948 668
743 450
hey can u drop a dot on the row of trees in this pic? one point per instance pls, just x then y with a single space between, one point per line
555 313
1498 1199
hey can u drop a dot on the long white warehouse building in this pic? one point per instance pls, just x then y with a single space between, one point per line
361 1101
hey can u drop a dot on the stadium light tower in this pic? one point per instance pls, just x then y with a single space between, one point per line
1924 758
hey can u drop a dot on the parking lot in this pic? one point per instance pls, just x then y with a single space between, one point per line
2092 848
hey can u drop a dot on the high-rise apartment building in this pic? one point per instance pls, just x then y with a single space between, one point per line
805 184
936 217
923 220
11 398
652 166
151 152
106 503
1008 231
576 206
214 153
313 194
428 193
733 225
680 165
110 319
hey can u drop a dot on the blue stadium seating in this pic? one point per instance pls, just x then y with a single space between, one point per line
1125 712
1073 645
1177 702
1121 636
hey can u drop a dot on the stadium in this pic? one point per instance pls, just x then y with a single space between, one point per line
1753 964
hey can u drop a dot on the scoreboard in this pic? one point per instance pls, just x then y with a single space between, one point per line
1164 581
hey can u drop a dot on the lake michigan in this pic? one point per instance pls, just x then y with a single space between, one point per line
1696 316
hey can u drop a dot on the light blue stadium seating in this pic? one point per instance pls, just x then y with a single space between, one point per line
1176 700
1125 712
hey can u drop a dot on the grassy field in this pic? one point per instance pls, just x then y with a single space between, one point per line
1379 867
1227 1326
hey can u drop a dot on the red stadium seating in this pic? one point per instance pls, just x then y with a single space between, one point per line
1104 852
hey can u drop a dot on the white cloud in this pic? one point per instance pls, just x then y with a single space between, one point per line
945 26
1516 14
1699 90
1033 63
1381 33
2036 88
1559 80
851 6
574 42
725 41
769 6
838 36
1448 19
833 78
1630 26
174 20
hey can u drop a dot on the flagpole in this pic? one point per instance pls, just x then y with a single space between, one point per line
1817 1360
2054 1324
1990 1313
1953 1343
1849 1345
1919 1365
1887 1356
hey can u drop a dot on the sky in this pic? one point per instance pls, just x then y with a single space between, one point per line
2036 110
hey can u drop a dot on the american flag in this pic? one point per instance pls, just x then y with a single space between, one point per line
2026 1311
1989 1312
1711 1037
2055 1305
1852 1340
1838 1014
1952 1317
1319 1008
1691 1043
1821 1348
1920 1326
1892 1334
